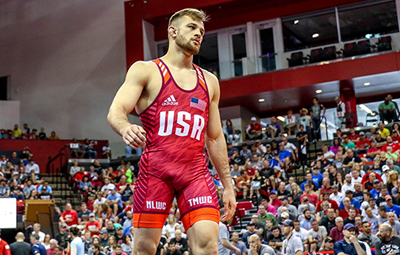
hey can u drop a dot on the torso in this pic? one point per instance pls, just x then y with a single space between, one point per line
175 121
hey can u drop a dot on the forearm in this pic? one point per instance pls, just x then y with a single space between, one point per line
227 244
118 120
218 154
359 249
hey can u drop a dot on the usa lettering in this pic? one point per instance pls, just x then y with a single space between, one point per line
181 127
156 205
200 200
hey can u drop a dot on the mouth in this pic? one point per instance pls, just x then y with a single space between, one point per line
197 42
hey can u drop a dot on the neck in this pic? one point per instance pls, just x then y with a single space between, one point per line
178 58
289 235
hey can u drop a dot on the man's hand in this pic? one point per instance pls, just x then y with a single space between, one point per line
229 204
238 251
353 239
253 249
134 136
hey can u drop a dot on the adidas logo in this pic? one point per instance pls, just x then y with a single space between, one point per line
170 101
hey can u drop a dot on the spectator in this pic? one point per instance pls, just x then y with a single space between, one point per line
291 208
390 207
243 183
14 159
352 217
44 195
118 251
96 250
305 121
254 130
37 246
328 221
348 185
33 135
387 111
384 132
181 243
316 236
257 248
69 216
238 244
336 232
235 172
16 132
170 226
20 247
45 185
353 137
350 244
307 218
387 241
108 185
32 166
351 159
329 244
308 192
291 245
335 145
290 123
347 144
277 237
173 251
127 244
77 246
52 249
340 112
336 196
53 136
106 151
299 232
84 214
315 113
302 137
245 152
42 134
263 216
4 189
305 205
88 147
367 236
61 237
273 129
250 231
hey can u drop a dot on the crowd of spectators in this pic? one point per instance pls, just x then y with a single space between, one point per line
26 133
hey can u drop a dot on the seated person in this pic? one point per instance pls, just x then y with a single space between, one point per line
254 130
273 129
243 183
290 123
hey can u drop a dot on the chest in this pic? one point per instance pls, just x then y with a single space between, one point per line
185 79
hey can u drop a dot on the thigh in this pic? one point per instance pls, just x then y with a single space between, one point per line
152 201
146 237
198 201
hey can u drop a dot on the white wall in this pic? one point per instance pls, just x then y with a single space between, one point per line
9 114
66 60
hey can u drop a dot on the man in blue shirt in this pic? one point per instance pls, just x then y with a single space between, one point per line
316 175
37 246
308 178
354 202
349 245
114 200
77 246
390 207
376 192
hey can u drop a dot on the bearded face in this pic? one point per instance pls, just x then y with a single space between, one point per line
187 44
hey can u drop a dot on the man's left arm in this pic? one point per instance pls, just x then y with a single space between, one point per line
216 146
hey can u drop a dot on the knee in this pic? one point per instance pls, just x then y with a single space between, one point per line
205 247
143 247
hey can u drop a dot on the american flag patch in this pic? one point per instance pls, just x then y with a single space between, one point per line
198 103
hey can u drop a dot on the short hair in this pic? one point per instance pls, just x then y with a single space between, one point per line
172 242
353 209
275 227
195 14
358 216
314 220
36 236
75 231
305 210
338 218
367 193
95 245
296 220
53 241
382 208
364 223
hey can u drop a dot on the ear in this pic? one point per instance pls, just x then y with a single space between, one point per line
172 32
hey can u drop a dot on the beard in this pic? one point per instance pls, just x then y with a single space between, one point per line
186 45
307 218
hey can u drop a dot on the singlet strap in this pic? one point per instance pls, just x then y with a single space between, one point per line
166 76
202 79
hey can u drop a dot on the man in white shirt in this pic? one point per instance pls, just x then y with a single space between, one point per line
348 184
290 123
299 232
355 176
32 166
36 229
107 185
290 147
336 195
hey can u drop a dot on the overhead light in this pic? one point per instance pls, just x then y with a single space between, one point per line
368 36
367 83
365 108
281 118
315 35
296 21
318 91
261 100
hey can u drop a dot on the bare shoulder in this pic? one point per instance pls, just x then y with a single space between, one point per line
141 70
212 82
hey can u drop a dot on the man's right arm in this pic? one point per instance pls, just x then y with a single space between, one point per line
124 103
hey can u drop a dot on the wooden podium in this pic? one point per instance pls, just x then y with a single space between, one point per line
39 211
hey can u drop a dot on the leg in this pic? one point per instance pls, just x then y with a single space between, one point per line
146 241
203 236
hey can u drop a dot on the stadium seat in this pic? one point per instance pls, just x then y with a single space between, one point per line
372 117
329 53
247 205
350 50
316 55
363 47
384 43
296 59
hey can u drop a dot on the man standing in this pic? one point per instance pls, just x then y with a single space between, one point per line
388 243
315 113
292 245
349 244
36 229
4 247
37 246
77 246
20 247
256 248
179 116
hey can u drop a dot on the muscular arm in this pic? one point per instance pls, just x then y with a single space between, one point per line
216 146
125 101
